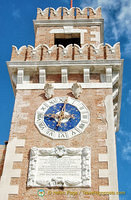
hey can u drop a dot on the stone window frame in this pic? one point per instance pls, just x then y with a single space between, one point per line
70 30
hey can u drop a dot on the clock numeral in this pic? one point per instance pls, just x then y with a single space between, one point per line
43 108
73 102
74 132
81 108
61 100
42 125
77 129
53 101
40 117
50 133
84 116
62 135
81 126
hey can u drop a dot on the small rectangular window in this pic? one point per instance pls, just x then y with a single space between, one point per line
66 39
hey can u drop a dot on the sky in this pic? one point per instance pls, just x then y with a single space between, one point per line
16 28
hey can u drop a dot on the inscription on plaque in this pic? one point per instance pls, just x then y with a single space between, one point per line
65 166
59 167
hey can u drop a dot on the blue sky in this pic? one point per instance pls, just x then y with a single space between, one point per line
16 28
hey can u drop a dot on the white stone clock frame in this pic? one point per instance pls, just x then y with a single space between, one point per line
45 130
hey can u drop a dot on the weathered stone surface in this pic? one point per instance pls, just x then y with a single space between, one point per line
60 167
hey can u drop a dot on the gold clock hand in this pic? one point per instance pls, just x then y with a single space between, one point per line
51 115
59 121
63 109
61 115
69 116
64 116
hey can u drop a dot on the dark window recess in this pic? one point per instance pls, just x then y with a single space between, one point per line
66 39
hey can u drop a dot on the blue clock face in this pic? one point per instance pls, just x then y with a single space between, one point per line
62 118
71 119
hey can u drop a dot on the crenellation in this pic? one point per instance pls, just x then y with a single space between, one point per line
112 52
68 13
70 52
42 14
81 13
34 54
97 52
18 54
95 14
55 14
65 13
49 53
65 53
81 53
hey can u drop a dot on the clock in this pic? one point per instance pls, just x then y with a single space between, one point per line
62 118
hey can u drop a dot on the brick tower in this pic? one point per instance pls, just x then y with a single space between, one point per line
67 109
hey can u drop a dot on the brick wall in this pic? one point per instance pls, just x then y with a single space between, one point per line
94 136
43 35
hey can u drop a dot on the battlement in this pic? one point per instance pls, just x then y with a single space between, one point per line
65 13
71 52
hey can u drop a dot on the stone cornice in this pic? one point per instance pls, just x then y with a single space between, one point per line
74 22
35 64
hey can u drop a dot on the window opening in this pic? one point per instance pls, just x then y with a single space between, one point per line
66 39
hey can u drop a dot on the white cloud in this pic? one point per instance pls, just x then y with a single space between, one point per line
124 143
126 152
129 97
117 17
121 132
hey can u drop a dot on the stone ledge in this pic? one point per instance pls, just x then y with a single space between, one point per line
60 86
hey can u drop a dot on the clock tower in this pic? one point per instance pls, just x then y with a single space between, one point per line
67 109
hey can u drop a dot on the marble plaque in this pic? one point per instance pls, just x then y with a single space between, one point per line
59 167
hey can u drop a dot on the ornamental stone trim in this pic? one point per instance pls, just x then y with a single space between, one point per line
64 75
20 76
60 86
8 171
49 90
111 172
76 90
42 75
86 73
81 160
